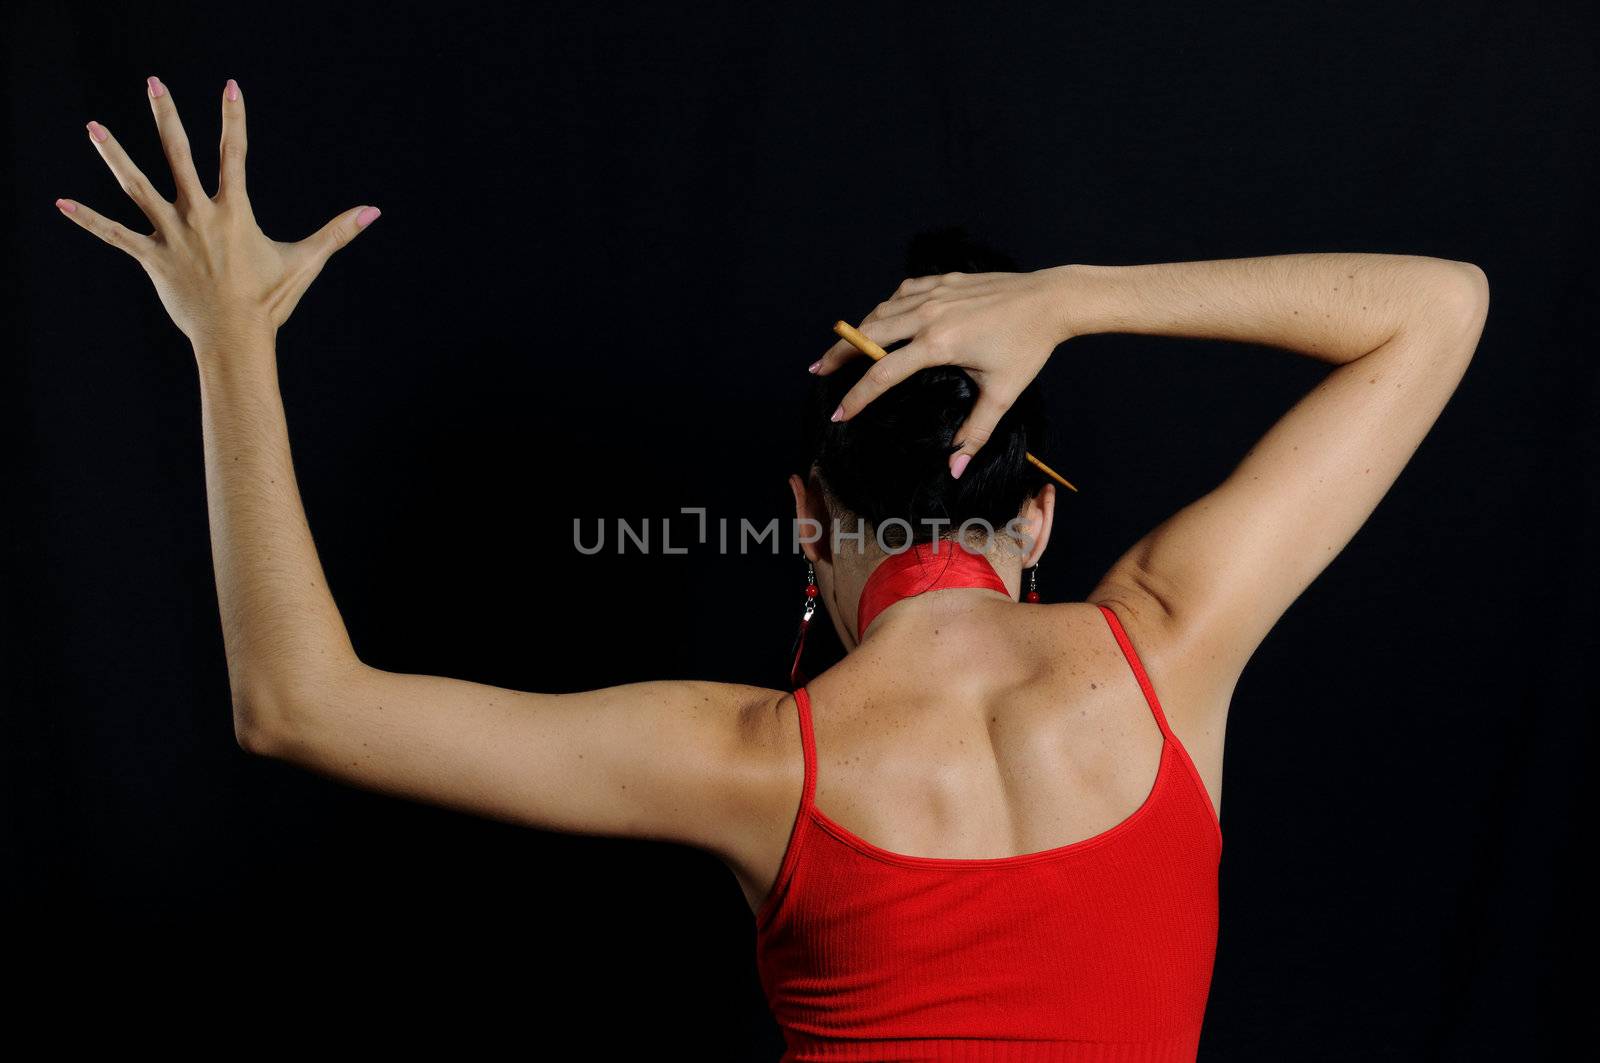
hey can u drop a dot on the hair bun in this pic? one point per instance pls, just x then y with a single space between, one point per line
891 461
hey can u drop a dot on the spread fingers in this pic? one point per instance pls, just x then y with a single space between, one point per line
175 142
130 177
116 235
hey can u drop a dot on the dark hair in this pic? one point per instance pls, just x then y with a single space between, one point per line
892 459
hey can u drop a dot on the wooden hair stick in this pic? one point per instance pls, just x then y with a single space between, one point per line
861 343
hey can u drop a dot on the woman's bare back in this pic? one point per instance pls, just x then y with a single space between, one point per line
969 727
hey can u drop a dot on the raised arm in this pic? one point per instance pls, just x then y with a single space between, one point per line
1202 590
1400 331
708 764
676 761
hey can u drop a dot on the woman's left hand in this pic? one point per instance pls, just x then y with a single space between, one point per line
217 273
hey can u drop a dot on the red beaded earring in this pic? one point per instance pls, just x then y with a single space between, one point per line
1033 584
796 676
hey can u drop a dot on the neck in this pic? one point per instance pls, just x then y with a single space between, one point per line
928 580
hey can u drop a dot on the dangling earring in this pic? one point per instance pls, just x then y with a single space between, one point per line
796 677
1033 584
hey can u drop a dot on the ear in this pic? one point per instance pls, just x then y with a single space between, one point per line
1037 517
811 519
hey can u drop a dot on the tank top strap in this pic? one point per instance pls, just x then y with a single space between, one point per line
1138 672
778 893
808 747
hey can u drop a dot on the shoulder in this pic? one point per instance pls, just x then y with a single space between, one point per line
764 778
1194 685
737 702
748 720
715 737
724 757
756 714
763 728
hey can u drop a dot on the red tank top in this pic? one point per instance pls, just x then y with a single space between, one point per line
1100 950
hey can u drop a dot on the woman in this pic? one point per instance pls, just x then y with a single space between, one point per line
989 832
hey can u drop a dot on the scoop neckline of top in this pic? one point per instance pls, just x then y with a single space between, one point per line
1112 832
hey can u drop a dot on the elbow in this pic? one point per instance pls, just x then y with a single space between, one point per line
1449 303
258 721
253 739
1475 281
280 715
1464 296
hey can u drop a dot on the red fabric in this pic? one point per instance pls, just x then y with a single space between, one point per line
1100 950
921 568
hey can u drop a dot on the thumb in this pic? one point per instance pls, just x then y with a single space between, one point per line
340 231
307 257
975 432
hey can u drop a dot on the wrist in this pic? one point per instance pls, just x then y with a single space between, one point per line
1080 299
234 354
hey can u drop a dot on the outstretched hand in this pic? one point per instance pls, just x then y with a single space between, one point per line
217 274
1000 327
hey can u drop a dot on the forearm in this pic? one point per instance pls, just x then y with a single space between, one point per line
281 628
1334 307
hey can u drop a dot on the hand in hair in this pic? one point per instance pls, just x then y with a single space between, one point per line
999 327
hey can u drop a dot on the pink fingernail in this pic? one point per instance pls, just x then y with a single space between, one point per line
814 366
156 88
66 206
233 89
838 415
367 216
98 131
959 466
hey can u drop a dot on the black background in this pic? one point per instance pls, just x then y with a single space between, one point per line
612 239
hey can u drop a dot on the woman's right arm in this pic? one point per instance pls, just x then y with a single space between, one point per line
1204 587
1399 330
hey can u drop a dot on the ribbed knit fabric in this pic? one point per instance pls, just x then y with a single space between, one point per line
1100 951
